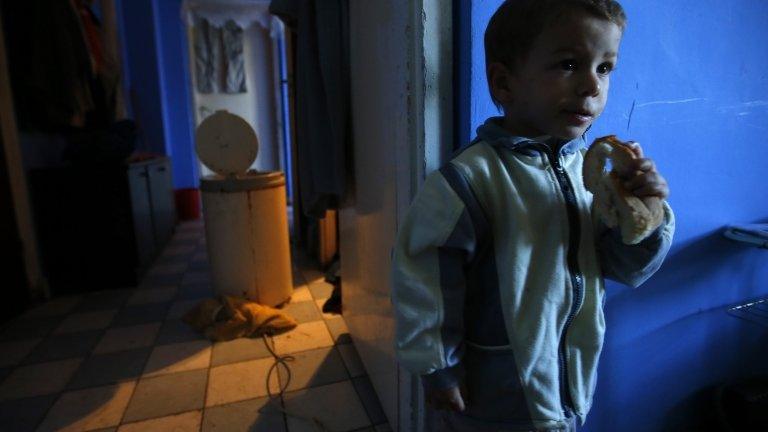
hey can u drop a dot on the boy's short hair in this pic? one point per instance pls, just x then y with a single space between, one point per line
516 24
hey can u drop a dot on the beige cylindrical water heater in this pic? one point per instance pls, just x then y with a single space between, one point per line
245 214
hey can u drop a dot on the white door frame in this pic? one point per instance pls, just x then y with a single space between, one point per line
402 104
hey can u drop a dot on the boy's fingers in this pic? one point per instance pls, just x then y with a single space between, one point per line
456 401
648 187
642 164
463 393
646 165
633 183
438 404
458 406
635 146
448 399
642 179
637 167
658 190
436 401
430 402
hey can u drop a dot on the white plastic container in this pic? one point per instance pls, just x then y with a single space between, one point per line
246 224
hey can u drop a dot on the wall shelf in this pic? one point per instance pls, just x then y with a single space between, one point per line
755 235
755 311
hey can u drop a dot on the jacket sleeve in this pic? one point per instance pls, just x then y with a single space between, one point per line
435 241
634 264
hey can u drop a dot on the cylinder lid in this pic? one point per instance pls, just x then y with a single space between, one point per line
226 143
252 180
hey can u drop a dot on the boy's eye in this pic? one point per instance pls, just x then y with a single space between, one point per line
605 68
568 65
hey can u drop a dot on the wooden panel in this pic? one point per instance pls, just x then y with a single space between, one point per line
299 220
161 199
142 214
18 185
329 238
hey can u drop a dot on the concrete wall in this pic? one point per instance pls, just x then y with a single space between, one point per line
367 227
257 105
691 87
401 104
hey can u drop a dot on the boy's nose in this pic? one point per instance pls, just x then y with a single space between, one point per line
589 86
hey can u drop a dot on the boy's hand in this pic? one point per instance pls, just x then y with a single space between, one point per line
446 399
645 181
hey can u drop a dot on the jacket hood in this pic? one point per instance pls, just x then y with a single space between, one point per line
494 133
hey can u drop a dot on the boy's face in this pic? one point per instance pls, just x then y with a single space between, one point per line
562 85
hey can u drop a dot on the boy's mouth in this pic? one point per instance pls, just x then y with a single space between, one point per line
578 116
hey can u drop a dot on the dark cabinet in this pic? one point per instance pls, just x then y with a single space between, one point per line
161 202
101 227
141 213
152 206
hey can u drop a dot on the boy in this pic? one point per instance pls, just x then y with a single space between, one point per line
498 268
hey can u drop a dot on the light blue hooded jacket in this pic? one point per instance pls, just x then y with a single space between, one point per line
498 280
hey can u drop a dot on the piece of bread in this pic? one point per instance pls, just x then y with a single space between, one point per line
636 217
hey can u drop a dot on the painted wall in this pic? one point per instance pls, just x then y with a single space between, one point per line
174 76
473 104
157 80
257 105
160 92
144 86
261 63
691 87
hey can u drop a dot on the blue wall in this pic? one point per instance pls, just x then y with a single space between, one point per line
157 77
143 85
177 98
473 104
692 88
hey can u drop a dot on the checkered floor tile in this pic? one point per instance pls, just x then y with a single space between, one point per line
122 360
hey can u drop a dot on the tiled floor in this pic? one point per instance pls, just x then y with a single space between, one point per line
122 360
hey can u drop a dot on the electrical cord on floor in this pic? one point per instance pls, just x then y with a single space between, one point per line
275 399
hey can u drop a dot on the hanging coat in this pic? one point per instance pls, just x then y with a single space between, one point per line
322 98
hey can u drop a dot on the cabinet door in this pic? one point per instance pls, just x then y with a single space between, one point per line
142 214
161 196
15 287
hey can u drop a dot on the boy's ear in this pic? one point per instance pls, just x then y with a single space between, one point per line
499 81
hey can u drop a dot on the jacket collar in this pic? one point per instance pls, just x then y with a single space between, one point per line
493 133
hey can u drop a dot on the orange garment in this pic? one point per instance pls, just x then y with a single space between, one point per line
226 318
92 35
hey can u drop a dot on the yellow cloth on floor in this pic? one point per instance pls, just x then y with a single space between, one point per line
226 318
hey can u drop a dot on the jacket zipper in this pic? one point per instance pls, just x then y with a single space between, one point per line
566 187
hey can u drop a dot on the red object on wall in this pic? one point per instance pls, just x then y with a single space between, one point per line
187 203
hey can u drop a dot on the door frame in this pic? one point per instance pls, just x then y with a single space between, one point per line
432 141
37 283
407 46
